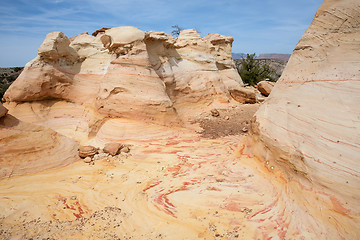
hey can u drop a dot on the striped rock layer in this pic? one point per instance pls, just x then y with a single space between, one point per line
310 125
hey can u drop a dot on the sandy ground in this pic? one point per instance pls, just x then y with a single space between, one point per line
234 121
185 185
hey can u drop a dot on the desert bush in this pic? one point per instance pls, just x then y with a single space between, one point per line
252 72
3 88
16 69
176 30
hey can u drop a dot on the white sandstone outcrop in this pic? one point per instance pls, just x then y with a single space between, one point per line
310 124
124 72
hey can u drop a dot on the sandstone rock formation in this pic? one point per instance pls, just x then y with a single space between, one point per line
297 176
27 148
310 124
124 72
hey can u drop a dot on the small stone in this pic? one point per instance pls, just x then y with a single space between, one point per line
73 197
112 148
125 150
87 160
215 113
260 99
87 151
244 129
226 117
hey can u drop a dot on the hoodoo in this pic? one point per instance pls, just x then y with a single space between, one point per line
126 72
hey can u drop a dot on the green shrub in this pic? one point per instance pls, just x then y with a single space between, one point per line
16 69
252 72
3 88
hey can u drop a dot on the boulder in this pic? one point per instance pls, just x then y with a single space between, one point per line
265 87
3 111
112 148
87 151
56 46
121 36
243 95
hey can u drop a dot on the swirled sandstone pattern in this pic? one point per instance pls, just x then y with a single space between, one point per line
27 148
310 125
295 178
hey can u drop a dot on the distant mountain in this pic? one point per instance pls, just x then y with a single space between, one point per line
238 55
277 56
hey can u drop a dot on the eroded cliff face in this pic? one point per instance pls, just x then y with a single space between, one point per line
310 125
126 72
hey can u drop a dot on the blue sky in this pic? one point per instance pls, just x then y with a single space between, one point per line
260 26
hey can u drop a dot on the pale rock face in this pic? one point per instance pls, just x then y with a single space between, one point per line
95 58
188 34
310 124
126 72
56 46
